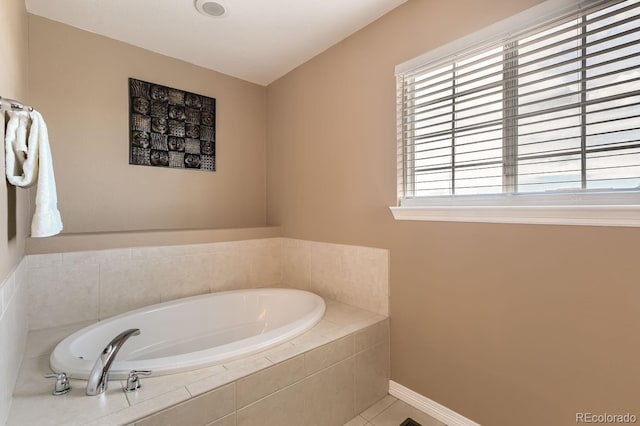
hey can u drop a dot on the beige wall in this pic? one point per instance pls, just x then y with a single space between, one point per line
78 81
14 202
505 324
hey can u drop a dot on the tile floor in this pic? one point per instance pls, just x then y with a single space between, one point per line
389 411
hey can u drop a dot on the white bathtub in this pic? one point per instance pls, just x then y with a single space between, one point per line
193 332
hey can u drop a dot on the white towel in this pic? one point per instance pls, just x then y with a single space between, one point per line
28 159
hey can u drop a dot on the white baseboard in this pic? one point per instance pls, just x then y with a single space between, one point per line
432 408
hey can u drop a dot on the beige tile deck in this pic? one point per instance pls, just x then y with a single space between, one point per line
322 347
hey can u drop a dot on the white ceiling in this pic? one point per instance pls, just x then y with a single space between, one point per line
258 40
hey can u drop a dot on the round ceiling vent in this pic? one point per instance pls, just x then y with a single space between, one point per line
216 9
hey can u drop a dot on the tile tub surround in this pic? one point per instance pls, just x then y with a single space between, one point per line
355 275
65 288
13 333
327 375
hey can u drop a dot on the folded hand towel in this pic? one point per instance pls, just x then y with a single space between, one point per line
28 159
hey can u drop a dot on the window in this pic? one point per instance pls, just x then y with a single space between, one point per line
548 115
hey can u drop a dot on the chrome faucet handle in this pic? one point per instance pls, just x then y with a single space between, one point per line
133 381
62 385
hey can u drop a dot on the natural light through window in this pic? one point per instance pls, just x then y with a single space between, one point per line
552 111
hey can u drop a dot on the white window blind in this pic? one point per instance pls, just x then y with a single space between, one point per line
552 109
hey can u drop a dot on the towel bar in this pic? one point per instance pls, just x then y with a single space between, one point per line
7 104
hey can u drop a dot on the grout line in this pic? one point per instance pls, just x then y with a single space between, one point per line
235 399
99 292
189 392
380 413
355 381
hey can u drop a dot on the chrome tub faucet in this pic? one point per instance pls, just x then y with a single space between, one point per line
99 376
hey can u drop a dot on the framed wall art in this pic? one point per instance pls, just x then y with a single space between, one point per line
170 127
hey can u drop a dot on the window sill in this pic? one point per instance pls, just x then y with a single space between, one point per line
585 215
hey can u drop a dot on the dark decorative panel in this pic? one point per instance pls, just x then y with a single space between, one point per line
170 127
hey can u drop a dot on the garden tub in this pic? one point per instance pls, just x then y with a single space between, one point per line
194 332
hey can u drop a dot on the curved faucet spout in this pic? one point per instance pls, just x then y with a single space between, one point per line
99 377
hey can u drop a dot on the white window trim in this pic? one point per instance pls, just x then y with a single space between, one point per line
610 209
603 215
